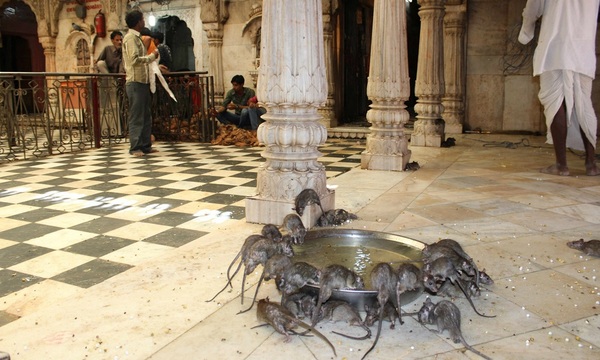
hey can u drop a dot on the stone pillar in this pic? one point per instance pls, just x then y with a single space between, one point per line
292 84
429 84
388 88
214 32
327 111
49 45
214 14
454 66
52 92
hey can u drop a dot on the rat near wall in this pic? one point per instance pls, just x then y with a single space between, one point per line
295 228
446 316
305 198
283 321
591 247
335 217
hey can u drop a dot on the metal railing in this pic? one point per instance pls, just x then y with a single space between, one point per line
48 113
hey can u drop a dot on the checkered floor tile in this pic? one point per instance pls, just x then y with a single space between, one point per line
81 219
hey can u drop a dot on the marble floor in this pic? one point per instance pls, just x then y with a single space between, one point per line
105 256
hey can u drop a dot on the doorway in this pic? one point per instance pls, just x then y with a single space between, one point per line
178 37
20 49
354 23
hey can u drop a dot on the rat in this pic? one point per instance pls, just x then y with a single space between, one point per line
271 231
451 249
335 277
283 321
485 279
268 231
591 247
384 280
300 304
439 271
258 254
295 228
275 266
305 198
296 276
446 316
338 310
372 314
335 218
250 240
409 279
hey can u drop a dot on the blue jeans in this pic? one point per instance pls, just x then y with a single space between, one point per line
140 117
249 116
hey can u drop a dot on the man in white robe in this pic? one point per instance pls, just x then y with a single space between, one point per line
565 60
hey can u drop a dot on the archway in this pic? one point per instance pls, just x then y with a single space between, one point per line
20 49
179 38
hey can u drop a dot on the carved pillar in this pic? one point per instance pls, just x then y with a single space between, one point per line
388 88
429 85
327 111
214 32
454 65
49 45
214 14
292 84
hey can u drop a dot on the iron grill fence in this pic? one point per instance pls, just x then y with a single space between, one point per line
42 114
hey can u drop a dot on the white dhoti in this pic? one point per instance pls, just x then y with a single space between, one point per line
575 89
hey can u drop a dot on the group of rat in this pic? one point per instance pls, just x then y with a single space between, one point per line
445 266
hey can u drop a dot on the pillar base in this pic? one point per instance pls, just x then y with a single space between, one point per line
453 128
384 162
266 211
430 140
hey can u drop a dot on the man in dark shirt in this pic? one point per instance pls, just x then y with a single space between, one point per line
111 58
242 101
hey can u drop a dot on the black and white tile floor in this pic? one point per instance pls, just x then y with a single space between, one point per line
108 256
80 219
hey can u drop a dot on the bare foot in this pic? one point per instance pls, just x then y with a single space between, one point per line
592 170
137 153
555 170
152 151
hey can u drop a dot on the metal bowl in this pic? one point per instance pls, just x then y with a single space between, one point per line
358 250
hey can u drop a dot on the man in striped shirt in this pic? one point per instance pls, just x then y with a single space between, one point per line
137 85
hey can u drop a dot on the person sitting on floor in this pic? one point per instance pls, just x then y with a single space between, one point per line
240 106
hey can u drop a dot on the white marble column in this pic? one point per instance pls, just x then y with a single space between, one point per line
327 110
214 32
388 88
429 84
455 22
293 85
214 14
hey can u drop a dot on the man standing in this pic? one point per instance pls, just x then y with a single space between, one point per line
242 101
565 60
137 85
111 58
